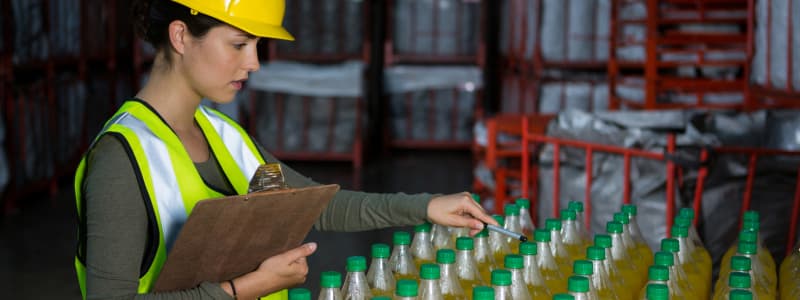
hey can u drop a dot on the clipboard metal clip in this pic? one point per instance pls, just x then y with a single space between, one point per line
268 177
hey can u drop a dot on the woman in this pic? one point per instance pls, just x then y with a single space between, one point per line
162 152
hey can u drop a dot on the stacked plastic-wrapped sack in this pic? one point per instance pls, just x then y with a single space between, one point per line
281 90
70 114
576 32
337 27
457 24
437 101
65 27
519 30
30 38
772 41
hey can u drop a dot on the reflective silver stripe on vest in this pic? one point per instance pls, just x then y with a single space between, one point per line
171 211
234 142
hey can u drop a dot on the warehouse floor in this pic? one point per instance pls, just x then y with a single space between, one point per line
38 242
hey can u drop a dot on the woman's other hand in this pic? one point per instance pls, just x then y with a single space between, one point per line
275 273
459 210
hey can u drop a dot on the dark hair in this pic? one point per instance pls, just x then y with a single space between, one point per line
151 19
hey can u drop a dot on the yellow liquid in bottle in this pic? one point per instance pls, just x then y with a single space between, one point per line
539 292
377 293
419 262
406 276
453 297
552 279
631 278
468 285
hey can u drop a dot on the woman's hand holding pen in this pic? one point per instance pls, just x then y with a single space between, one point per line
459 210
275 273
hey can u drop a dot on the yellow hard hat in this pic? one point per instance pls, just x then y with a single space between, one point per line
262 18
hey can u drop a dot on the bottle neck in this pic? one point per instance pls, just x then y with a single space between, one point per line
685 251
482 249
601 278
531 273
502 292
581 296
618 247
330 294
429 289
545 256
513 223
422 247
448 272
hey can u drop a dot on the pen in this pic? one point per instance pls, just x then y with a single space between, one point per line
515 235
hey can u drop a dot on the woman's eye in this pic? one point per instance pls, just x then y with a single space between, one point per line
239 46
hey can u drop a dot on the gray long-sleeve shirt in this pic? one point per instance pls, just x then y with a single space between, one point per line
116 219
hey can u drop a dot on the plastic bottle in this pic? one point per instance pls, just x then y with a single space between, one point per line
789 281
658 292
330 284
620 281
762 274
741 295
750 234
406 289
686 218
466 266
600 279
736 281
402 262
483 255
699 273
622 259
429 287
379 276
525 221
586 269
441 237
512 221
501 282
580 218
573 240
299 294
553 278
355 285
660 275
743 264
421 246
483 293
635 232
533 277
668 256
751 220
678 281
578 286
642 261
449 284
563 258
515 264
498 243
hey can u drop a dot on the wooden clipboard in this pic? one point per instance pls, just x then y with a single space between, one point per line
227 237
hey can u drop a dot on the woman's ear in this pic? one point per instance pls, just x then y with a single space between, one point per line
178 36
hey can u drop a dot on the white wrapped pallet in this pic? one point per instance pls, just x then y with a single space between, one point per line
772 42
285 91
70 115
450 17
521 15
337 27
570 28
585 96
65 18
435 93
30 38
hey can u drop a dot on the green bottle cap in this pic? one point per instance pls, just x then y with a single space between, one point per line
739 280
528 248
541 235
511 210
748 248
299 294
680 231
430 272
751 215
424 227
740 295
563 297
670 245
465 243
356 264
629 209
483 293
381 298
740 263
658 273
552 224
482 233
582 267
513 261
523 203
595 253
500 220
683 221
575 205
614 227
406 288
602 241
568 214
664 258
751 225
686 211
657 291
578 284
501 277
380 251
330 279
445 256
622 218
748 235
401 238
476 198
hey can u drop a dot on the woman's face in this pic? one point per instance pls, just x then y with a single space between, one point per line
217 65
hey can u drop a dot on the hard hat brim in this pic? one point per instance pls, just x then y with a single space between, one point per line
263 30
